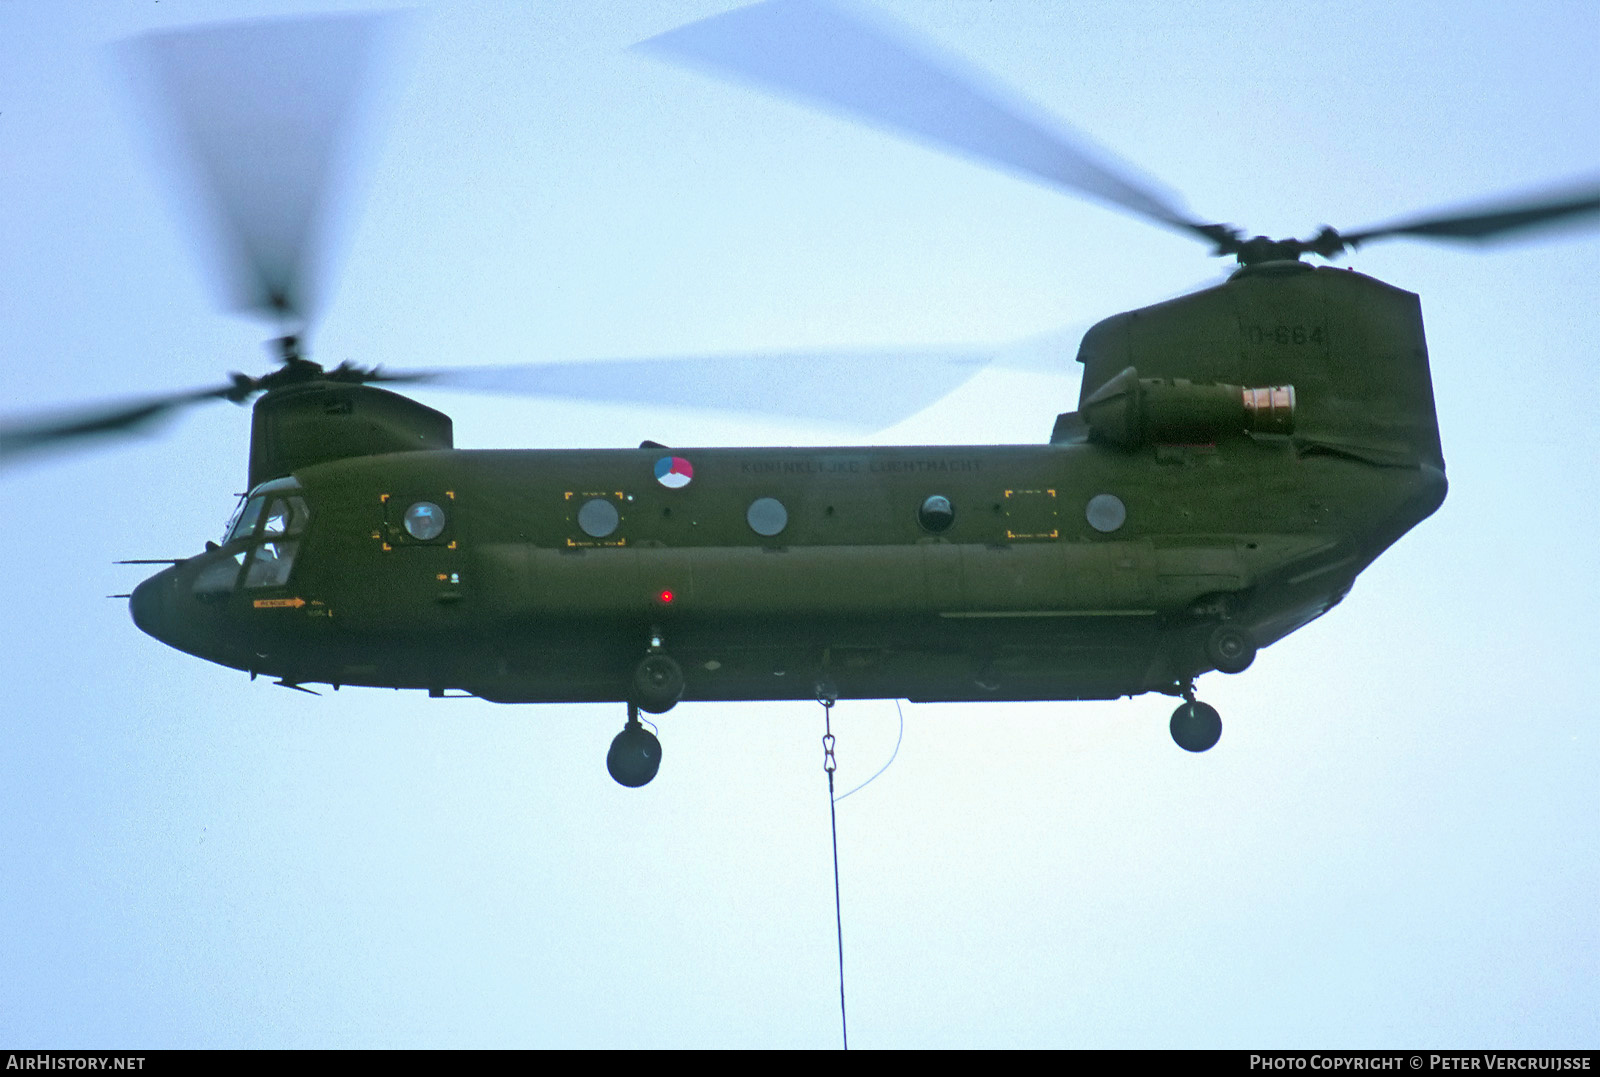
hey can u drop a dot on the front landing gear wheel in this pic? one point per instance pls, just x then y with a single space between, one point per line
1196 726
635 753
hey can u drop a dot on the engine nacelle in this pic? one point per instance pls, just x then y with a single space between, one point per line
1129 411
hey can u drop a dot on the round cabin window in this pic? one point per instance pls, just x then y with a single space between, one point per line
424 521
936 514
1106 512
598 517
767 516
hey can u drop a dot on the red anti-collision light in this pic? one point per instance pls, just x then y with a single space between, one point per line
666 597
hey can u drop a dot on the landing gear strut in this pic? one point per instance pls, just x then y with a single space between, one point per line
1195 726
657 682
655 688
635 753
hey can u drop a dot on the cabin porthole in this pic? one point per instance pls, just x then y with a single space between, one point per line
767 516
1106 512
936 514
597 517
424 521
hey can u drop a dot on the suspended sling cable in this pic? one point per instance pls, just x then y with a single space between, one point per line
829 765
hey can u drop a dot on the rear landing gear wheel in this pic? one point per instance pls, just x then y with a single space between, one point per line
1230 648
1196 726
657 683
635 753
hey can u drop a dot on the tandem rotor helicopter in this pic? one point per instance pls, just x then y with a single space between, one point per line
1237 457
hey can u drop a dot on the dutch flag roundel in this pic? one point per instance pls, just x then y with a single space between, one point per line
674 472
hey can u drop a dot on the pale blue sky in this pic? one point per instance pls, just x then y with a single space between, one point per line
1394 843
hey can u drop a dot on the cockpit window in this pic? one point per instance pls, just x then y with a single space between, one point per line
270 565
286 516
274 515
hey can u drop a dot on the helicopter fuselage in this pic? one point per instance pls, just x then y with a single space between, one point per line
1034 589
1096 566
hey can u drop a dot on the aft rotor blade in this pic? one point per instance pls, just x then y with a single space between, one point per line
866 390
262 113
1493 220
860 66
63 430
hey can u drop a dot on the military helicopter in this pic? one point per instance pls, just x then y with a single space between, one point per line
1238 456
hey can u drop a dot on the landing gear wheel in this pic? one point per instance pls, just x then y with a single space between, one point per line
657 683
1196 726
635 753
1230 648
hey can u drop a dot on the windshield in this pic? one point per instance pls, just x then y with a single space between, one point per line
244 518
279 501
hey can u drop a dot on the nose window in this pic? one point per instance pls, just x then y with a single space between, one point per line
219 577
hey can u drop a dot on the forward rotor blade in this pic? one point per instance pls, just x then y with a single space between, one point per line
866 390
1493 220
842 61
63 430
262 112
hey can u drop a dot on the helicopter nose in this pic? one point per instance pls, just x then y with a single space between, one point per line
151 603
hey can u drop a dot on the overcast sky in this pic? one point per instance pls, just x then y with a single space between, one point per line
1394 844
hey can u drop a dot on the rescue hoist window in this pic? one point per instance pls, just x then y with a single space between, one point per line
424 521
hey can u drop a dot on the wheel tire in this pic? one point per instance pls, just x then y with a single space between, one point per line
1196 726
1230 649
635 756
657 683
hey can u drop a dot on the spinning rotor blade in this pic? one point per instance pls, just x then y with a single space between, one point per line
842 61
115 420
1495 219
866 390
262 112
